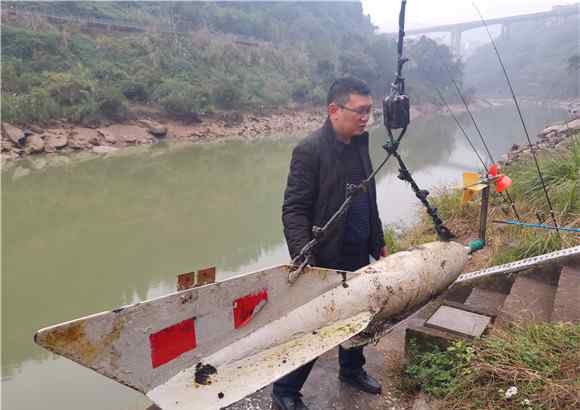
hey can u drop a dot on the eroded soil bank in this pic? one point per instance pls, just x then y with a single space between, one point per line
58 139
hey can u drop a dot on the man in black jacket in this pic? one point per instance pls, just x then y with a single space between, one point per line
322 165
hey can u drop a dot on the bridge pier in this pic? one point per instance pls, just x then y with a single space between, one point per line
456 42
506 30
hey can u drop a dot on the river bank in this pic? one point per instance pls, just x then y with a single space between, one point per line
61 138
60 142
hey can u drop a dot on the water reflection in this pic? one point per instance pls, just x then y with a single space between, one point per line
91 236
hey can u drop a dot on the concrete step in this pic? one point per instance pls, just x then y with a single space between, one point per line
486 299
567 298
531 298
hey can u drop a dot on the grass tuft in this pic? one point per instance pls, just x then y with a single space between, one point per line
542 361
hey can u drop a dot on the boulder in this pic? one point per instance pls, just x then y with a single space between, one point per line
154 128
127 134
6 144
109 137
554 128
35 129
83 138
130 138
55 142
574 125
34 144
13 133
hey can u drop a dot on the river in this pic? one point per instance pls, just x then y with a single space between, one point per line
93 235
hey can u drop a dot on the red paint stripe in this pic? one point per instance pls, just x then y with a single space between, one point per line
172 342
244 307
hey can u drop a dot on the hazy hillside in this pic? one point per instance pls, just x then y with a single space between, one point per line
539 58
190 58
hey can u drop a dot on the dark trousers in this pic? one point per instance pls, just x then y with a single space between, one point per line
352 360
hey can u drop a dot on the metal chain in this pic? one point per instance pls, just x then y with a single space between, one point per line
443 232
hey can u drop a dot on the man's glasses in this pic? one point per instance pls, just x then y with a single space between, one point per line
360 111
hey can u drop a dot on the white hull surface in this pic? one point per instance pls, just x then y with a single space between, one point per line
208 347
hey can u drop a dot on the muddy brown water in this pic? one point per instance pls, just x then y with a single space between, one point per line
93 235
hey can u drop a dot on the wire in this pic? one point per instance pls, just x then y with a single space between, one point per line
461 128
509 199
509 83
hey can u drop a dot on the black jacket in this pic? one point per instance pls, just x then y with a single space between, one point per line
315 190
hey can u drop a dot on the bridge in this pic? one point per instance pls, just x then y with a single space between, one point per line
455 30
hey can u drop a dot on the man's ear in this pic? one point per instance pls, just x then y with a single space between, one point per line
332 108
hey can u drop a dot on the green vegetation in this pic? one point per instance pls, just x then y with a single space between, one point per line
535 366
437 371
194 58
561 170
540 57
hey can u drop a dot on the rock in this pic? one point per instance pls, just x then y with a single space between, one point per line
13 133
108 136
125 134
574 125
55 142
158 132
83 138
515 147
130 138
6 144
35 129
154 128
554 128
34 144
104 149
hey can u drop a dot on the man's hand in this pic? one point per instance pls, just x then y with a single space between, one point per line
384 252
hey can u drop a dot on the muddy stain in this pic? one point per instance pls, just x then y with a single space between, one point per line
203 373
71 341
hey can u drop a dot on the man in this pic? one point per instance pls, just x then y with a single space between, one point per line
322 165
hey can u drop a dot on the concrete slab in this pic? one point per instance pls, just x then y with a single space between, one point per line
567 299
459 321
531 299
486 299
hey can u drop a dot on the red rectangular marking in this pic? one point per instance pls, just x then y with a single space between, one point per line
247 306
172 342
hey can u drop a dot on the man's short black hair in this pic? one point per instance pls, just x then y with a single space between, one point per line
342 88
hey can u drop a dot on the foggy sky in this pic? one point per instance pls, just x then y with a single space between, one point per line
425 13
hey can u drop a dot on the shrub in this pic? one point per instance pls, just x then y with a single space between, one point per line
181 98
69 88
228 94
112 103
38 106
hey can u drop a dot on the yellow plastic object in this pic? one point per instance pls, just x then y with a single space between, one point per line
471 184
